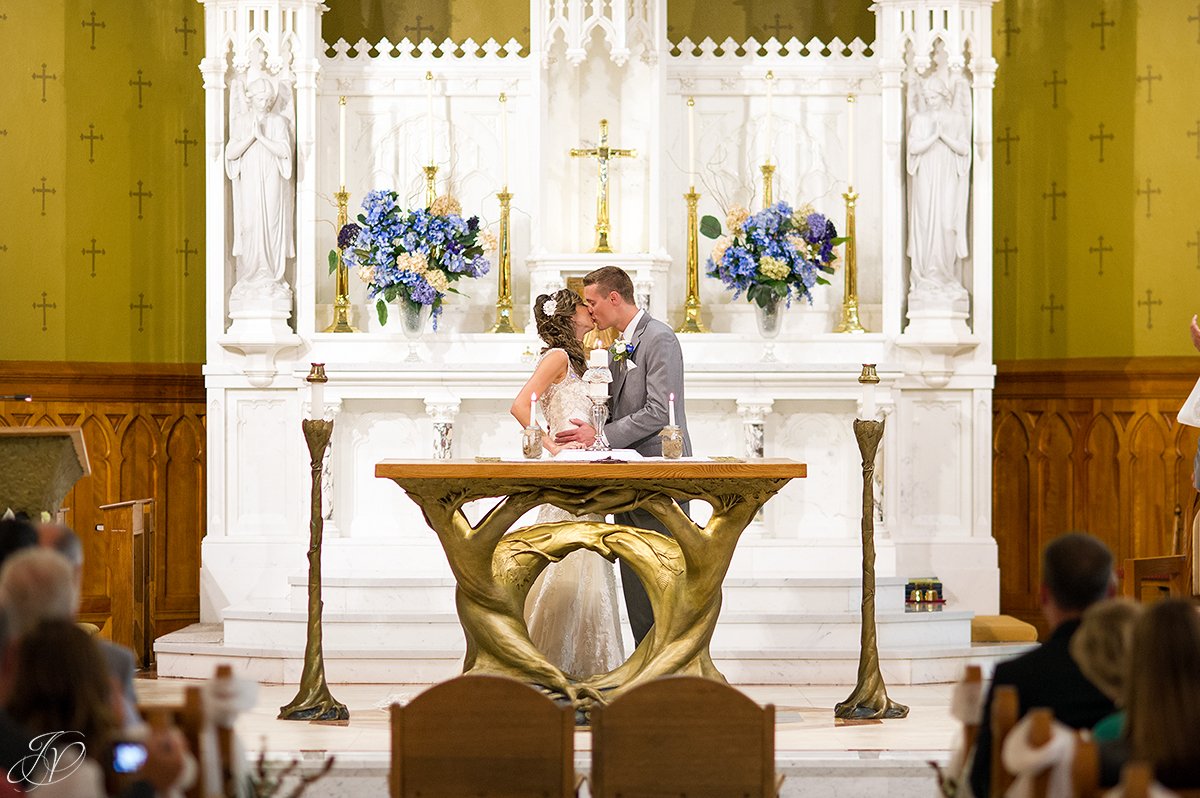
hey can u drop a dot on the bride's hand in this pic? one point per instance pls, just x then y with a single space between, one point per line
573 445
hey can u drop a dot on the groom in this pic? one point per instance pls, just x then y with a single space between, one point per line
641 385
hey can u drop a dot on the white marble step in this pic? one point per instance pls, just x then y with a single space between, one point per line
195 651
785 594
749 631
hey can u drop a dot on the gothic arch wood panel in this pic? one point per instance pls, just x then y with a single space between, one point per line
1132 462
144 428
1010 499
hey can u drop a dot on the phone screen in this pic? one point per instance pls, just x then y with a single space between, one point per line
128 757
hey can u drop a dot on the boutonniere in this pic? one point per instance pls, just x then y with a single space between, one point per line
621 350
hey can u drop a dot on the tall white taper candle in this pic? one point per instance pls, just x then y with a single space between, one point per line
852 101
504 135
532 409
671 410
691 106
770 95
342 142
429 112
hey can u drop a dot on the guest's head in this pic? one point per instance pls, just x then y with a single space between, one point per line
1102 645
562 322
1163 692
37 585
608 292
62 683
62 538
1077 571
16 534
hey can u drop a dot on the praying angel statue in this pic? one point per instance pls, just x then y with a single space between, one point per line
259 160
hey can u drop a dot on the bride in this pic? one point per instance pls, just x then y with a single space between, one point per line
572 609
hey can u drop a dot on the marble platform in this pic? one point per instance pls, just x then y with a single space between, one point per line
818 755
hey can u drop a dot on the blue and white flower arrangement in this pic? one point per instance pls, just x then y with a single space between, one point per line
621 350
413 255
775 254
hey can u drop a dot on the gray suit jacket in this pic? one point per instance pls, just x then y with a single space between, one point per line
638 407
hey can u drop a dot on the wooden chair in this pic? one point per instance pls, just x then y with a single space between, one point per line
686 737
974 676
1085 762
482 736
1168 574
188 716
1006 709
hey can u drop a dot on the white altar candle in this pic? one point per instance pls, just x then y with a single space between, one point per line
770 94
691 105
316 399
850 141
342 142
504 135
429 112
671 410
868 401
532 408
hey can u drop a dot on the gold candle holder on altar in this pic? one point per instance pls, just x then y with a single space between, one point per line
504 302
341 299
430 184
850 322
691 307
768 174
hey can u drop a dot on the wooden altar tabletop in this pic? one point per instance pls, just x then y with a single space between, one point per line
581 470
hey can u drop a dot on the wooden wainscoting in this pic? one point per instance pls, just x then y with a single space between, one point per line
144 428
1090 445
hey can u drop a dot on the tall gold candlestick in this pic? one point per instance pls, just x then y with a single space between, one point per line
341 299
504 303
850 322
691 307
430 184
768 173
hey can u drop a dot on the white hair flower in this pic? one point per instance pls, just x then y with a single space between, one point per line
549 307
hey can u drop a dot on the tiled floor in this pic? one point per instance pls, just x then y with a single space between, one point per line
819 755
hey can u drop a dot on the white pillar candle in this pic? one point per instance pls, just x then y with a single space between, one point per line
671 410
691 106
851 100
429 113
316 400
868 401
504 136
342 142
532 409
770 94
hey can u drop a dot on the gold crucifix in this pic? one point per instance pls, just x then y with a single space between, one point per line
602 153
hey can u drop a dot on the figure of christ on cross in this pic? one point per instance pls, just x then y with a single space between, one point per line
602 153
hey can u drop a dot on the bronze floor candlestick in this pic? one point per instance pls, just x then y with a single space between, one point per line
768 173
691 308
341 300
313 700
869 699
850 322
430 184
504 301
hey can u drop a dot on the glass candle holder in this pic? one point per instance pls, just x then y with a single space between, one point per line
672 442
531 443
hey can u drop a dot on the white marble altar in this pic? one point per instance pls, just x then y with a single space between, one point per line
936 370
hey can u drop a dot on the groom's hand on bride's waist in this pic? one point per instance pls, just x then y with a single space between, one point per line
582 432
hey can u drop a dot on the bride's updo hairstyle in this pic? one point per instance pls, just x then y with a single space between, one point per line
555 318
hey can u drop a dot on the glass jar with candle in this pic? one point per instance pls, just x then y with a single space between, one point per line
672 442
531 442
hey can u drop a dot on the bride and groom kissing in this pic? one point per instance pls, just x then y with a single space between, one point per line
572 611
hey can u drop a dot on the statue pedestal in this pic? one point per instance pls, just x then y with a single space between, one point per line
549 272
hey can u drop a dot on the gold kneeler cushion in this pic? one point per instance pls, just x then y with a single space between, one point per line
1001 629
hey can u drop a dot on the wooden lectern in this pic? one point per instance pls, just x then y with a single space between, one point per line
129 548
39 466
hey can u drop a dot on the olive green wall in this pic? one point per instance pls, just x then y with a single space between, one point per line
89 182
1054 257
1142 83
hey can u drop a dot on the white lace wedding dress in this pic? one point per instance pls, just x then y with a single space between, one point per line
572 610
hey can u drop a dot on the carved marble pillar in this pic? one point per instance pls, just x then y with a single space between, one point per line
442 410
753 413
